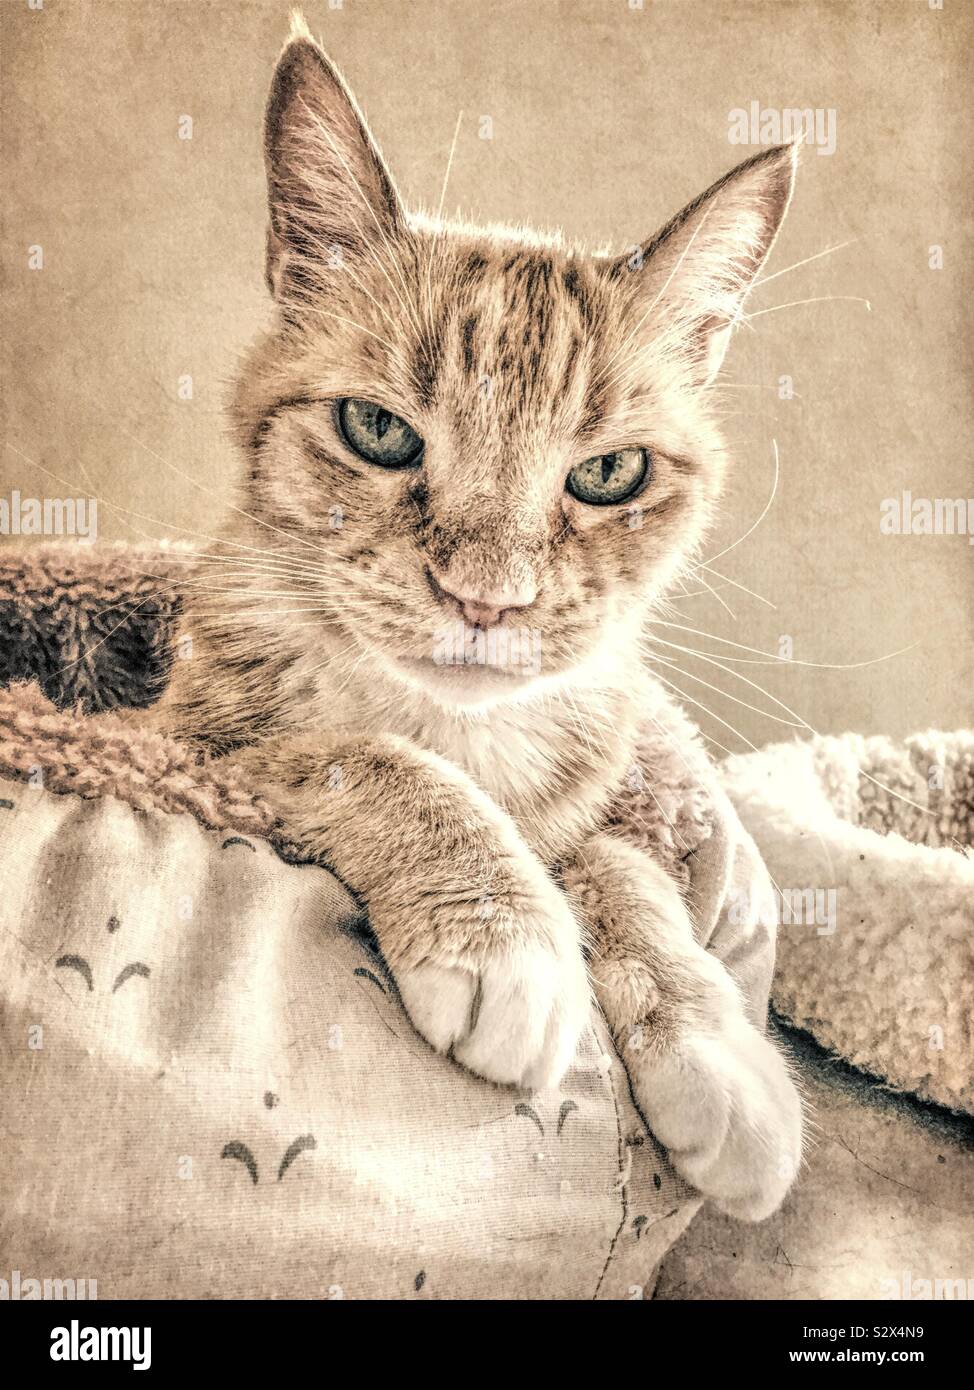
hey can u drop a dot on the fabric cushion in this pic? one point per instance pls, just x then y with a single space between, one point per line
211 1090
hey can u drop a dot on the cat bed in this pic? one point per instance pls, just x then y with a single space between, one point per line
191 1019
869 839
212 1089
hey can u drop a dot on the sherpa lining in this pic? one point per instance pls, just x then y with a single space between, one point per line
93 626
884 828
85 638
106 755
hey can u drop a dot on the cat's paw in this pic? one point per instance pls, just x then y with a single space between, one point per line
513 1015
726 1109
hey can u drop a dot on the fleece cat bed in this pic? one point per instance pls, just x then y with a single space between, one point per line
870 841
212 1087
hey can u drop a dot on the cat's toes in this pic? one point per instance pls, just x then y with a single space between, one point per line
531 1011
439 1000
727 1111
516 1020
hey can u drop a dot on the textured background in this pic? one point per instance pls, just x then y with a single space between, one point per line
606 119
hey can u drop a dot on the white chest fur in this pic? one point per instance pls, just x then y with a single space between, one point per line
550 761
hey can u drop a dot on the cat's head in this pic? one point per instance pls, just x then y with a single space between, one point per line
479 426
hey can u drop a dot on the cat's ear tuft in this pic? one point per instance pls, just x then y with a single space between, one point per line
329 191
299 27
691 279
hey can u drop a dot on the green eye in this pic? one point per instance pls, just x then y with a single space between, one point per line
377 435
609 477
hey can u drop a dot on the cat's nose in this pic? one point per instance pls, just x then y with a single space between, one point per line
480 614
482 606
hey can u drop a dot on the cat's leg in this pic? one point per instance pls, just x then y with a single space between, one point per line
484 947
711 1087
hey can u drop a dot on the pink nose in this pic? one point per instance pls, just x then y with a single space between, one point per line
483 607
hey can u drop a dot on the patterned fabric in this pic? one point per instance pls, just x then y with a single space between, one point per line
211 1090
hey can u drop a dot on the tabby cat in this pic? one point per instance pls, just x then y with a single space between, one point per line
476 458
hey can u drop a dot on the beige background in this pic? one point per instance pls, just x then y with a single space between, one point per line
606 120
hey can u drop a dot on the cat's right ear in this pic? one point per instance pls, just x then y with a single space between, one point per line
329 191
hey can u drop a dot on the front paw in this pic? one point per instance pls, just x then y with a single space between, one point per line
724 1106
512 1010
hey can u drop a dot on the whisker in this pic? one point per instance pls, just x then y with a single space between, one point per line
816 299
711 590
339 318
351 671
360 285
322 128
156 521
249 613
737 585
840 246
794 723
751 529
437 232
710 712
631 336
803 724
783 660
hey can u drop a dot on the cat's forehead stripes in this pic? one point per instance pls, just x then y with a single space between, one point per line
520 329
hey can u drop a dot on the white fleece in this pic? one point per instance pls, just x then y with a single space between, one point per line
887 828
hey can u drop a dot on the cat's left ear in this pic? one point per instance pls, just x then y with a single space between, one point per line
329 191
690 280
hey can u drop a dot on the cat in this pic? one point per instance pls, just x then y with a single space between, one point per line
449 432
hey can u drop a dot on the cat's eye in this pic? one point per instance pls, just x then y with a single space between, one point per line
609 478
378 436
